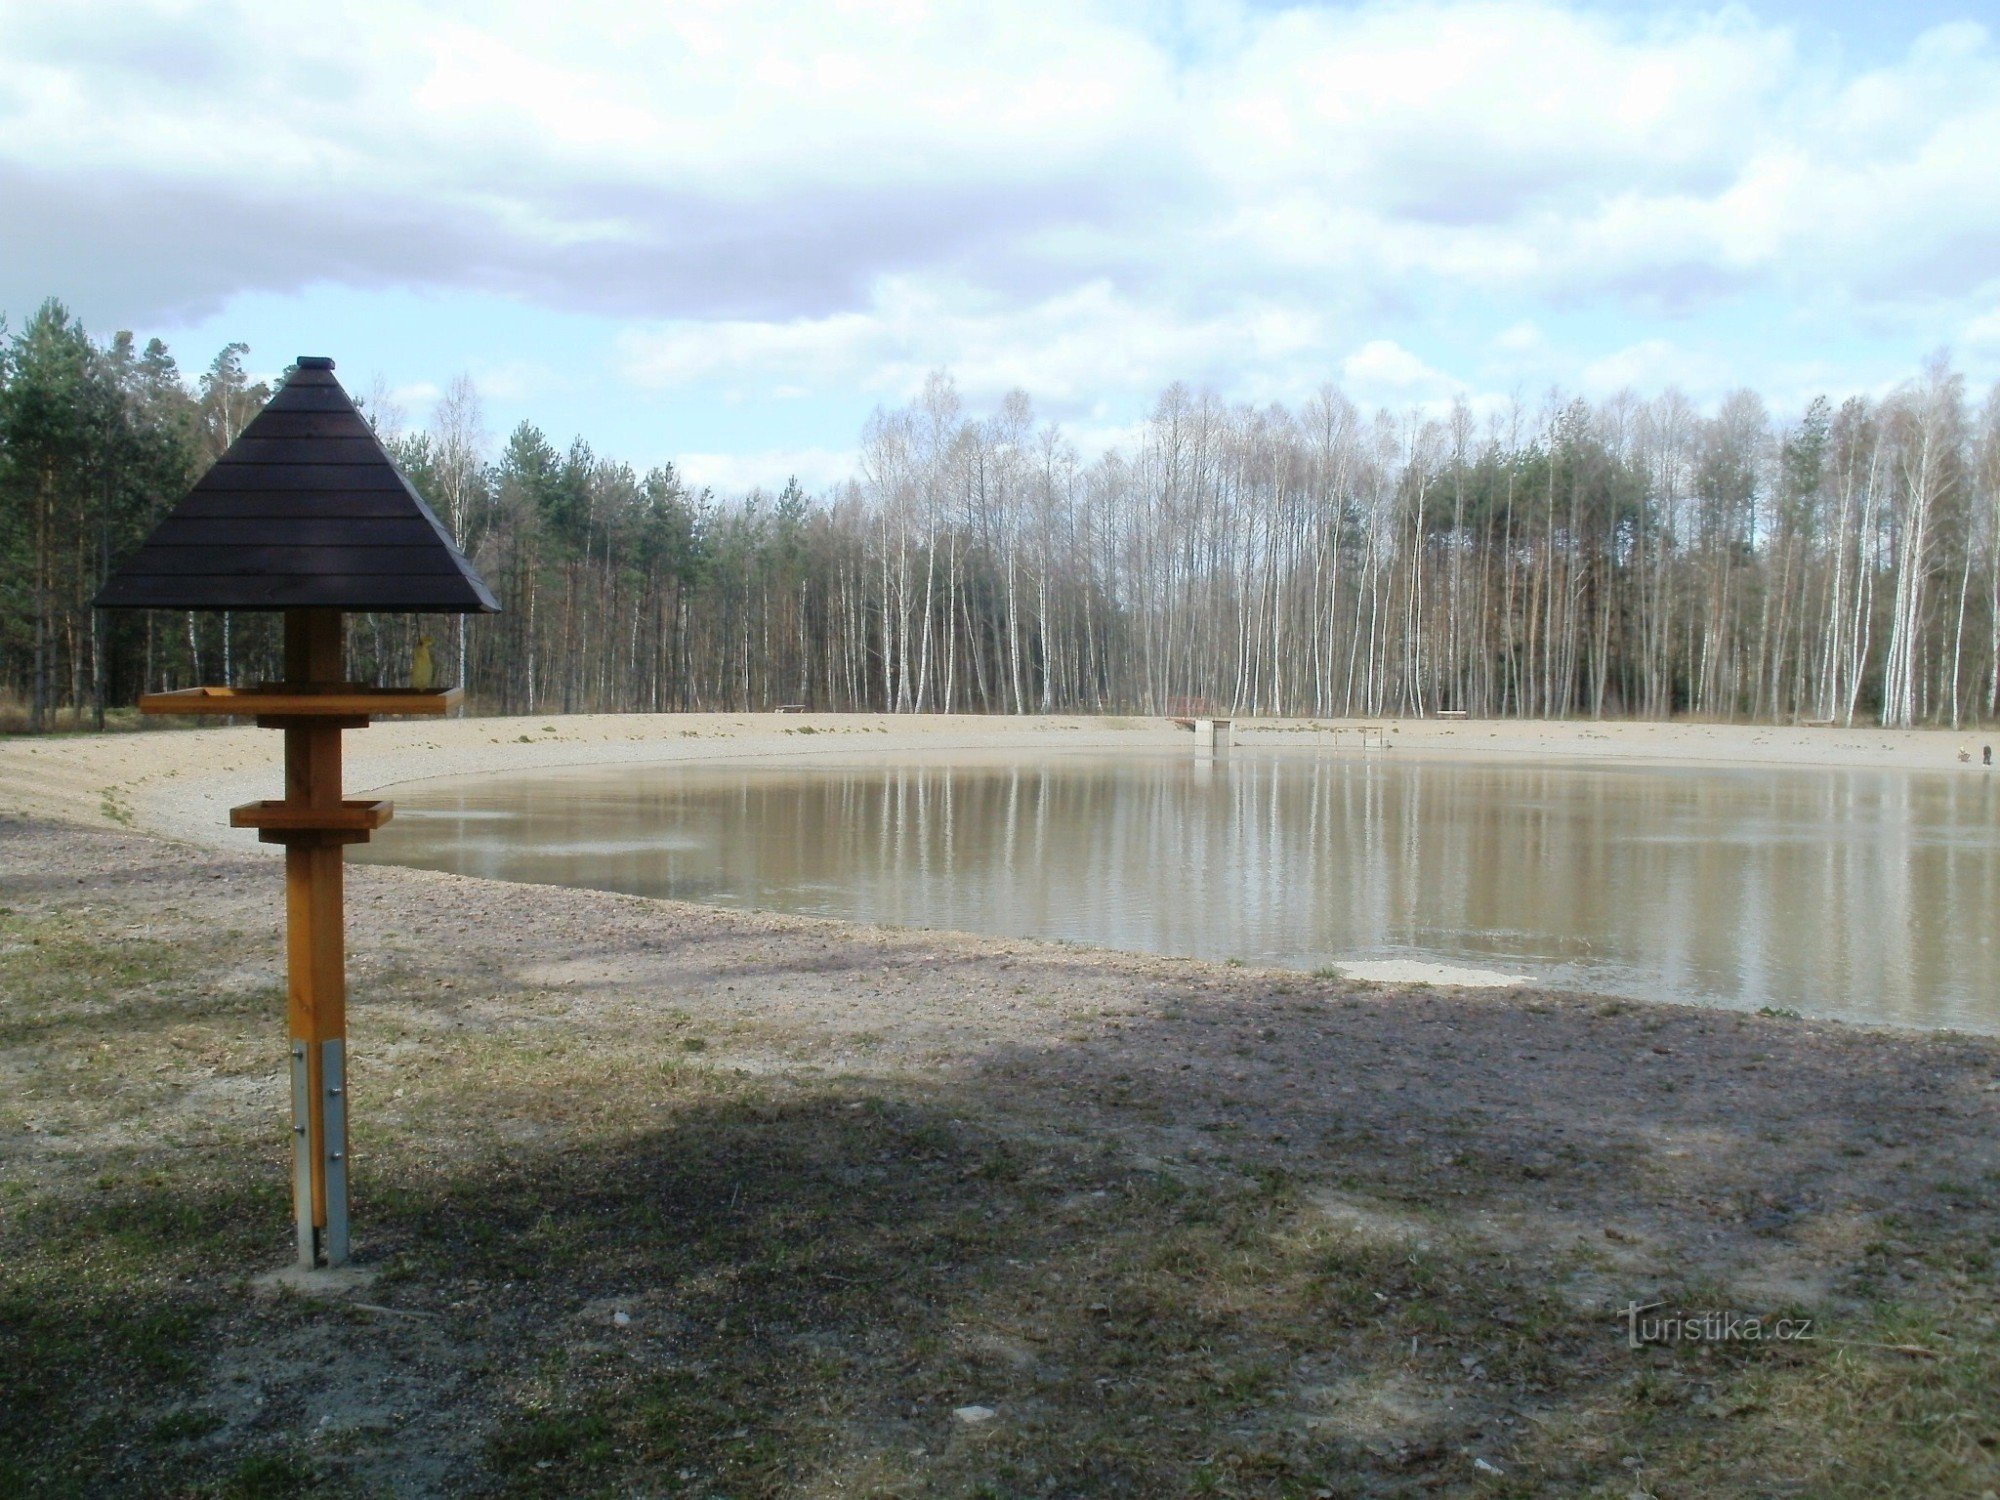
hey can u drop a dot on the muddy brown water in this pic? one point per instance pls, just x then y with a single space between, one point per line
1865 895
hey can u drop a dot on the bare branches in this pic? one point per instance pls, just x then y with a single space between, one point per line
1636 557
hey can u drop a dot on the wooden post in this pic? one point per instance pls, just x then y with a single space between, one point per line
315 824
316 948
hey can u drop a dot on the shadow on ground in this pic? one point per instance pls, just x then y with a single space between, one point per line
1241 1237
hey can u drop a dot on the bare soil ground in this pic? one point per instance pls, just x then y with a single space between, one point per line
653 1199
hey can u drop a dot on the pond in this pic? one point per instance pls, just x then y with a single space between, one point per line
1865 895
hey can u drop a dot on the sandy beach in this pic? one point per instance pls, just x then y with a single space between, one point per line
656 1198
182 782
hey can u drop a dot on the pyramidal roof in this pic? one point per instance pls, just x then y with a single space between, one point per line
305 511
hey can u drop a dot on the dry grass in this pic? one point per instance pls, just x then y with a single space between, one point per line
646 1249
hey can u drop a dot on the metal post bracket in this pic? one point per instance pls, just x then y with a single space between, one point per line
333 1085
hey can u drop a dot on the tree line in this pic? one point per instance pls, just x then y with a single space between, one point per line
1552 558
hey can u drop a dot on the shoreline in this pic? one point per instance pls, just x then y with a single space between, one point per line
181 783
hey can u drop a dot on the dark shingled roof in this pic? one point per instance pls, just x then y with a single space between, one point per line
305 511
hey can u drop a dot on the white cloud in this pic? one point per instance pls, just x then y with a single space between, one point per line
817 469
416 393
1983 332
1460 112
1082 198
1523 339
1384 371
1503 142
1654 364
1093 437
1067 349
513 379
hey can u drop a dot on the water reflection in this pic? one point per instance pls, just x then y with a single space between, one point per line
1866 895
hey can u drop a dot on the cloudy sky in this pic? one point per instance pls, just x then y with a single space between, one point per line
724 232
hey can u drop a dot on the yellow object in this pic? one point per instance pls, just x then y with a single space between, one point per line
423 671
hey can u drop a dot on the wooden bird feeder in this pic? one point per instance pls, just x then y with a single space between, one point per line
306 514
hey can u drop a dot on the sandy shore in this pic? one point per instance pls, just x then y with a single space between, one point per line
182 782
